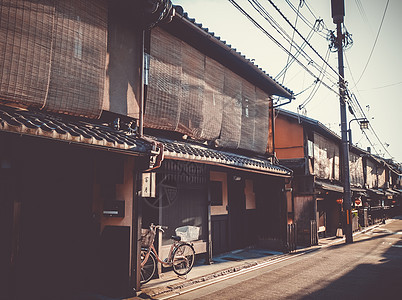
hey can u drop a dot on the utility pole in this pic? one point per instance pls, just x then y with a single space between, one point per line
338 12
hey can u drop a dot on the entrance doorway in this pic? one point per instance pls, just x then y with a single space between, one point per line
57 248
237 212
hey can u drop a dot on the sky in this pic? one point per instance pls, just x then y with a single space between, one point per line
373 63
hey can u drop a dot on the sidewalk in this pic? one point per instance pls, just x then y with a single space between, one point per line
231 263
223 265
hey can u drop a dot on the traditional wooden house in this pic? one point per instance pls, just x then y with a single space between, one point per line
383 196
211 109
311 150
71 156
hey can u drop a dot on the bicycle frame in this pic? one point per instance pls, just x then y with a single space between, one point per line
167 263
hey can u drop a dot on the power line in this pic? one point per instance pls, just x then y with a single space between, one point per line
289 63
297 31
352 97
315 90
363 14
264 13
305 20
375 42
382 87
292 40
255 23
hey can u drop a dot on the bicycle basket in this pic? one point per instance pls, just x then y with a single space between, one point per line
146 238
188 233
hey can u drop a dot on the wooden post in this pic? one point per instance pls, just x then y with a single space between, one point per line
209 223
136 235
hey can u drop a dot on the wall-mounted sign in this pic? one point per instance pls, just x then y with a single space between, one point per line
148 185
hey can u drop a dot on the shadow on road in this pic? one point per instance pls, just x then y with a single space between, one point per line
381 280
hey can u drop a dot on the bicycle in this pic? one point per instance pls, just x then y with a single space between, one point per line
181 255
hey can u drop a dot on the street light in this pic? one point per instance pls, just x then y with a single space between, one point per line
364 124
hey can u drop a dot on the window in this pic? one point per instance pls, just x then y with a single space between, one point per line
310 148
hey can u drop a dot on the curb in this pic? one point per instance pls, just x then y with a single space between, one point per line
152 292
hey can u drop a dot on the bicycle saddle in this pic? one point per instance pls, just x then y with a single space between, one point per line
176 238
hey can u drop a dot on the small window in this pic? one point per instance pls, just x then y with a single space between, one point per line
216 193
310 148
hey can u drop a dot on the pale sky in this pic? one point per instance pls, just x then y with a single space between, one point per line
377 90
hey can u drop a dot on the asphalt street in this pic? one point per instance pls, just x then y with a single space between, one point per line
369 268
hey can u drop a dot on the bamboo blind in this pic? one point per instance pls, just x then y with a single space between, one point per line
193 94
261 121
163 106
53 54
79 58
232 111
213 100
326 158
26 30
356 169
192 91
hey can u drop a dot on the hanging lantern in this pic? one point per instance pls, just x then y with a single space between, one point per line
339 201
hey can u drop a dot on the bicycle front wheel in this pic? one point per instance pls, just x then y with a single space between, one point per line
183 259
148 270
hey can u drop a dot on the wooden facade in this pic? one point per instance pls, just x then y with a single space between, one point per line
312 151
72 199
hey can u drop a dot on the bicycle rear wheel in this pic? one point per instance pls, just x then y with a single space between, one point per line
148 270
183 259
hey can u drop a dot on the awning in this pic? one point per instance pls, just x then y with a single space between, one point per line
70 129
398 192
392 191
202 154
328 186
357 189
375 192
385 192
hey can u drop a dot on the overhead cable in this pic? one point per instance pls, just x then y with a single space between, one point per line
304 19
255 23
297 31
375 42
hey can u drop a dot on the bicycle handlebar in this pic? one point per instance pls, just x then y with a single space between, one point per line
154 227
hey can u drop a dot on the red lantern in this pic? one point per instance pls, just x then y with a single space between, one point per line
339 201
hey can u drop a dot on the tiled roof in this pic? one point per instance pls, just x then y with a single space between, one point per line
329 186
203 154
71 129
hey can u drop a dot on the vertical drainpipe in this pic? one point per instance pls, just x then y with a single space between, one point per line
141 108
273 125
209 222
